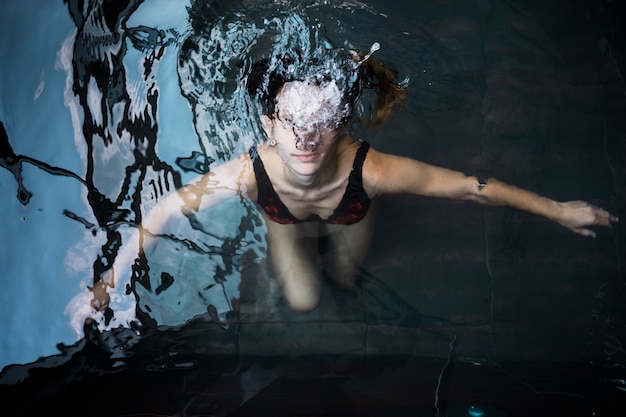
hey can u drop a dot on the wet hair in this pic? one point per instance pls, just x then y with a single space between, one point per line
358 72
377 75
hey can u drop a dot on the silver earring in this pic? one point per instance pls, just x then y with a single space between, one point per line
272 142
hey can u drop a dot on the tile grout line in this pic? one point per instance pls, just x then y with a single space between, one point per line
486 241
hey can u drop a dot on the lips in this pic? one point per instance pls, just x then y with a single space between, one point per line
307 157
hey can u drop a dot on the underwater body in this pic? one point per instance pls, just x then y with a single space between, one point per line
107 107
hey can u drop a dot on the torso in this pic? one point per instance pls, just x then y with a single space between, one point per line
321 200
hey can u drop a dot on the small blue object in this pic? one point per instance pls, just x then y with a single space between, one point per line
475 411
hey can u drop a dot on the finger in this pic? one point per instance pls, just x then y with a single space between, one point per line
585 232
608 219
604 218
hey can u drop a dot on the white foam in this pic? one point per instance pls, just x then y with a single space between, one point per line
309 106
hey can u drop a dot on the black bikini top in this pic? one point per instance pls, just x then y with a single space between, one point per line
352 208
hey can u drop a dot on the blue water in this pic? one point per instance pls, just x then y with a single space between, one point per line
35 239
459 304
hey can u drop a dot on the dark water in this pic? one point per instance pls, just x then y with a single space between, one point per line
458 306
176 374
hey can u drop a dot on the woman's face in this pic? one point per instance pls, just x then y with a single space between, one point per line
306 124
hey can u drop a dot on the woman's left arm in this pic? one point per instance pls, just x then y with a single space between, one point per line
390 174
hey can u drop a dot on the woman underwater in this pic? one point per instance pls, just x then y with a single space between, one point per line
315 182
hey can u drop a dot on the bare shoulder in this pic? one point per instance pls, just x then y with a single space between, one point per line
380 170
237 169
233 177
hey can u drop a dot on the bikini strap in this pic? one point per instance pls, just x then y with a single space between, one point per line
355 182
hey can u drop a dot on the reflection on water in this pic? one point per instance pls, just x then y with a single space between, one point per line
190 271
470 98
113 63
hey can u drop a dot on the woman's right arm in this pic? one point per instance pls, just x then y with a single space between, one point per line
231 180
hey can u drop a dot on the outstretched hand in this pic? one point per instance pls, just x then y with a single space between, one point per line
578 215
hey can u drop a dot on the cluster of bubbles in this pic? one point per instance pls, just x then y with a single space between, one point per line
217 62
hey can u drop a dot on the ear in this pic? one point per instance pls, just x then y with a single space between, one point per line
267 123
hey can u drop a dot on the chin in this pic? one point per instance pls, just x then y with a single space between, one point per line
306 163
306 170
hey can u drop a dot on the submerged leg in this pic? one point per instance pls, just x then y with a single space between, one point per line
294 253
343 249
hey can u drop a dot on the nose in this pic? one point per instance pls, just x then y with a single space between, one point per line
309 142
